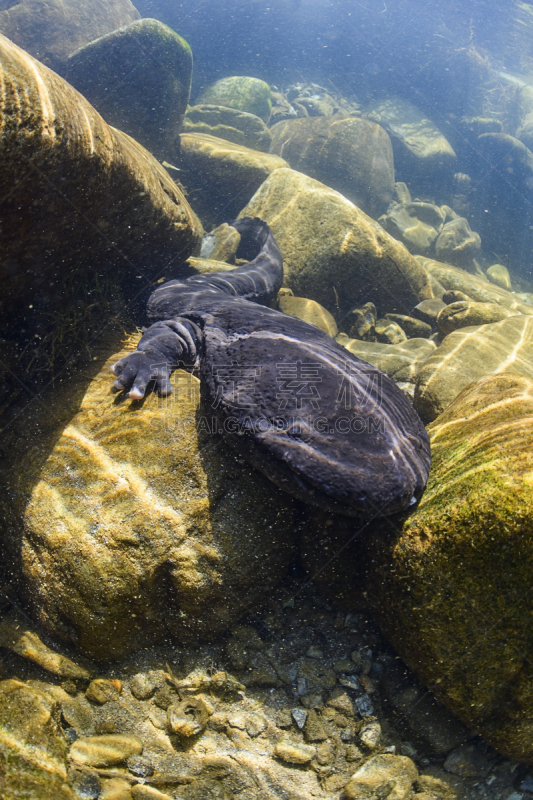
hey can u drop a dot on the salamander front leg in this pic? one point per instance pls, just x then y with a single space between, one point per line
161 348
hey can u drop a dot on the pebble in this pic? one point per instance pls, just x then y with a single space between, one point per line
351 682
340 701
299 716
370 735
85 784
468 761
527 783
255 725
294 753
115 789
314 731
105 751
189 717
141 687
382 776
344 665
141 792
140 766
314 652
364 705
102 690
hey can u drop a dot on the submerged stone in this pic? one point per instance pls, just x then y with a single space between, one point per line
33 749
52 29
231 124
139 79
221 176
450 587
243 93
344 259
351 155
112 192
141 523
469 354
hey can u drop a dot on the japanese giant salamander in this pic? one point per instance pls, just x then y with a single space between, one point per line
320 423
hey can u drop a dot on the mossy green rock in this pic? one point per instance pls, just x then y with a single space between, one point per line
140 523
353 156
236 126
332 252
469 354
33 750
52 29
221 176
451 586
240 92
139 79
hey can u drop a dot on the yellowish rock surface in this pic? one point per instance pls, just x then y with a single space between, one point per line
105 751
465 313
309 311
468 354
142 522
32 746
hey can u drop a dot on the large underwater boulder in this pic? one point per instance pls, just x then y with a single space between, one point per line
77 194
422 154
140 523
139 79
352 155
452 585
332 252
241 92
52 29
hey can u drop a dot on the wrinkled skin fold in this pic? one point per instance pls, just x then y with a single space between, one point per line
320 423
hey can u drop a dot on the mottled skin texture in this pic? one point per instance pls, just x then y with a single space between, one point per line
319 422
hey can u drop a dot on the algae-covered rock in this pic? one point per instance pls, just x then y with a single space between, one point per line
474 287
231 124
499 275
417 225
221 176
139 79
309 311
353 156
396 773
140 522
33 749
78 195
420 149
469 354
457 244
221 244
451 586
465 313
240 92
52 29
332 252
